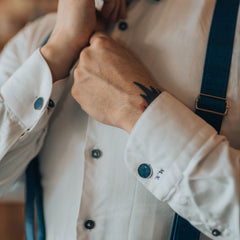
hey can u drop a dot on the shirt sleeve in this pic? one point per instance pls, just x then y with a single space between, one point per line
182 160
25 91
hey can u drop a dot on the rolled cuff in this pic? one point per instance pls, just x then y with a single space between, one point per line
31 82
170 140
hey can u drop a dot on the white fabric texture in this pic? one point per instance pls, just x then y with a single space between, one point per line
195 171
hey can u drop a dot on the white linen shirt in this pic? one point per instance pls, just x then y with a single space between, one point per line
195 171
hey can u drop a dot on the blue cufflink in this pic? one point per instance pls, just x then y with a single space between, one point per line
145 170
38 103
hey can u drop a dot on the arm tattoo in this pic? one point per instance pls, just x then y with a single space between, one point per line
150 95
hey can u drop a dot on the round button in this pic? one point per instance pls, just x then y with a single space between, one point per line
89 224
145 170
38 103
51 103
216 232
96 153
122 25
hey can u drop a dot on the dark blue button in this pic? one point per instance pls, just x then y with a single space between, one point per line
89 224
96 153
145 170
216 232
122 26
38 103
51 104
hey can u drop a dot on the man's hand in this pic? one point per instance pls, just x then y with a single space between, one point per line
111 84
114 9
76 21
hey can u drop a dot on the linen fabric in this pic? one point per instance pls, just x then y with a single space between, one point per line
195 170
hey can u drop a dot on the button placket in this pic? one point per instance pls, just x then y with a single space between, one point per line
95 154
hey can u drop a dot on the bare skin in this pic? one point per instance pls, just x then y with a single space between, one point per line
105 83
110 84
76 21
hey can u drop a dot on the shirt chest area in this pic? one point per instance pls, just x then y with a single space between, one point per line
82 165
170 38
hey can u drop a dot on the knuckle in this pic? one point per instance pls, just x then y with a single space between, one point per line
101 42
76 93
77 74
84 56
73 91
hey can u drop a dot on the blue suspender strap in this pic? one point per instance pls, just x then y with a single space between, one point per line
29 205
211 104
34 194
183 230
39 202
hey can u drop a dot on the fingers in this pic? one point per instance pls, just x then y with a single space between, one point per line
114 9
108 8
114 15
123 10
96 36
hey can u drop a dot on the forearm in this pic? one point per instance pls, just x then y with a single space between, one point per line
59 60
75 23
190 167
24 78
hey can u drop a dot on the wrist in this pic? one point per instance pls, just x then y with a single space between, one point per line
131 115
137 107
131 121
67 41
59 59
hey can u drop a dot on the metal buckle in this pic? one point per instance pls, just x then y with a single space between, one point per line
210 111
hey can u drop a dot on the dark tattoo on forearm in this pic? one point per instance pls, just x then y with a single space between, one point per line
151 94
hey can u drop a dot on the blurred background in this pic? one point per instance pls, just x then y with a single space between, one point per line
14 14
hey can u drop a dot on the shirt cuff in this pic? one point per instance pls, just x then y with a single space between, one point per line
167 140
59 88
28 90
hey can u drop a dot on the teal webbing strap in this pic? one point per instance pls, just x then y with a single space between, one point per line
212 104
34 198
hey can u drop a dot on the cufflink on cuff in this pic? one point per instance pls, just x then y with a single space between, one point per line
38 103
145 171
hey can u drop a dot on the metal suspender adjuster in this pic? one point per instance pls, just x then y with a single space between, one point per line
204 109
